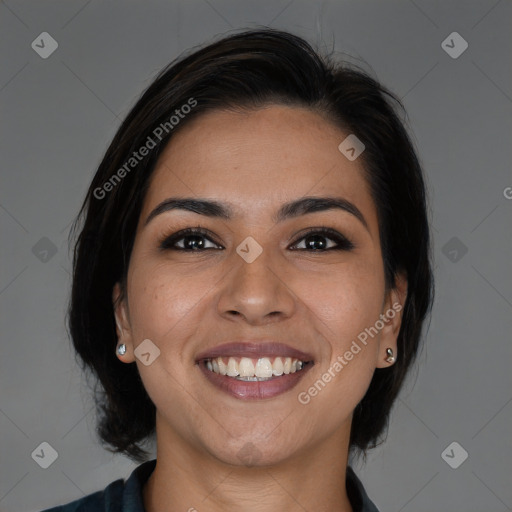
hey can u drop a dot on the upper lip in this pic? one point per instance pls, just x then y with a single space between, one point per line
254 349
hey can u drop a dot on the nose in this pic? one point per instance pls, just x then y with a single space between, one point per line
257 293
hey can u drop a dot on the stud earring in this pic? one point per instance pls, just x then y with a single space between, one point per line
121 349
391 357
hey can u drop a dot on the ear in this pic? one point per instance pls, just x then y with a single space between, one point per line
392 312
123 326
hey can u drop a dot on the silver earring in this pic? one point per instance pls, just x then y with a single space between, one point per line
391 357
121 349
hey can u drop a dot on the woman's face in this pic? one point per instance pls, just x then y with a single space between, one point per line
260 282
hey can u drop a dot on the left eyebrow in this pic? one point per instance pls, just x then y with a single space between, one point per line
292 209
307 205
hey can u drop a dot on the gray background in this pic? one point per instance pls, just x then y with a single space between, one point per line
58 116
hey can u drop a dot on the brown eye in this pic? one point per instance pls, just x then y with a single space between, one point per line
191 240
316 240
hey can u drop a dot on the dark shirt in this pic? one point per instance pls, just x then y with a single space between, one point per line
120 496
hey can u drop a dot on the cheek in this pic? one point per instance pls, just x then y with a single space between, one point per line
160 297
346 301
161 302
344 305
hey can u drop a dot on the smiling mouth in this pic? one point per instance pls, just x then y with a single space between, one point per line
255 369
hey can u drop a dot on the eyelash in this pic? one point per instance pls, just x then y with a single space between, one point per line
344 244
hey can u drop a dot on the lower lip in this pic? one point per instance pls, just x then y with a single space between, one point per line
254 390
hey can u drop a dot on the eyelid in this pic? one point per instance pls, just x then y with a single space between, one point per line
342 242
165 241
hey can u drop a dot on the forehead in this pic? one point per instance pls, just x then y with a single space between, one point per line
256 160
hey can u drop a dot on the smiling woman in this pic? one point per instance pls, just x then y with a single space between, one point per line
273 245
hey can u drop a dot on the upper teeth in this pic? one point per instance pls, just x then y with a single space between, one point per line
247 367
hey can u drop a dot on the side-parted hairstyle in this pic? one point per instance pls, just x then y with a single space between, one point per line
245 71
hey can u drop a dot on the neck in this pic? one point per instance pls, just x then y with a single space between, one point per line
186 479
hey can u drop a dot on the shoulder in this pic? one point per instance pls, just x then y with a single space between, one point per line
119 496
357 495
108 500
